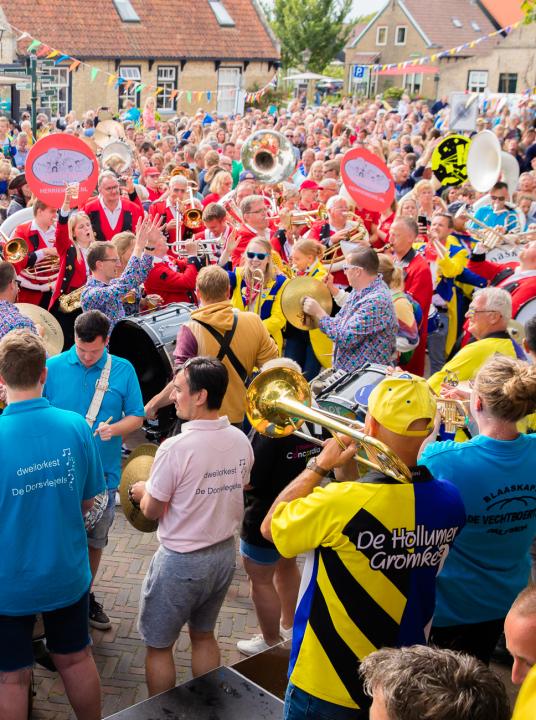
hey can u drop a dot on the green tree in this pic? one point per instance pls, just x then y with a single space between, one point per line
529 8
319 27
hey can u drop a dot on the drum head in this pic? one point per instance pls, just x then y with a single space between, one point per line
348 394
526 311
148 341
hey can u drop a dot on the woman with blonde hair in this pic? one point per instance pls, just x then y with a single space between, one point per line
406 309
488 565
316 171
221 184
256 286
74 235
134 301
149 113
310 348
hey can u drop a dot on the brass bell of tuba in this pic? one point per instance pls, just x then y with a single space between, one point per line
269 156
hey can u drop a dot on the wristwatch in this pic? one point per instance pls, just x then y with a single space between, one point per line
314 467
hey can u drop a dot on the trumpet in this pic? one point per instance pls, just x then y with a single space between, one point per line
70 302
278 402
13 250
491 237
298 218
179 248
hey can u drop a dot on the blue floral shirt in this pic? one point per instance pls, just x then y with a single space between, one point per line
12 319
364 329
107 297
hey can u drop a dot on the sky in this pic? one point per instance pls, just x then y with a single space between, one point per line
365 7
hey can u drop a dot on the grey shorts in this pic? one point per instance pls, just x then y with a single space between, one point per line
97 537
184 588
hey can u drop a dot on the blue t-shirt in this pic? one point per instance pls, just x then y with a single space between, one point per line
488 564
506 218
71 386
49 466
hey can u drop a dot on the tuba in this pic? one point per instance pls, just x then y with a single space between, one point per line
269 156
117 157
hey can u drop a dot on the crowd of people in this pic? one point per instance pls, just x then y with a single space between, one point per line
410 578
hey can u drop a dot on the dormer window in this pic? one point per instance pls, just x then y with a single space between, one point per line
476 27
457 23
125 11
221 13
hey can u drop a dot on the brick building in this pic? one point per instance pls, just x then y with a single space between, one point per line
220 46
408 29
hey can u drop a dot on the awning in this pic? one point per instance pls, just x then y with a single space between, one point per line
424 69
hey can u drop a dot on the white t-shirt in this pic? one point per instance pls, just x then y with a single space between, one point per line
201 474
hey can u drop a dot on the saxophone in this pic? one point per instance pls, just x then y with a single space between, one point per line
70 302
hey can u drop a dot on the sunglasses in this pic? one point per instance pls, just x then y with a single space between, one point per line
498 197
252 255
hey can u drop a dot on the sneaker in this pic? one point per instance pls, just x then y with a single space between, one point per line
97 616
256 645
286 633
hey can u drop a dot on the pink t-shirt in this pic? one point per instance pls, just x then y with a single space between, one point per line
201 474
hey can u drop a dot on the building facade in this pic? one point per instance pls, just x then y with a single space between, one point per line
410 29
203 54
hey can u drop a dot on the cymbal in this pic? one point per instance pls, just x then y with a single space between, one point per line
48 327
293 295
106 131
137 467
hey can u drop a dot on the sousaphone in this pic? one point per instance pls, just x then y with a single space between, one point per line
484 161
269 156
117 157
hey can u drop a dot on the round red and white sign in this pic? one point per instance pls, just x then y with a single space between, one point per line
59 160
367 180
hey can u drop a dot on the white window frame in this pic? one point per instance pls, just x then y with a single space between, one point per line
129 72
228 92
477 80
405 29
381 27
223 15
61 80
126 12
413 82
167 77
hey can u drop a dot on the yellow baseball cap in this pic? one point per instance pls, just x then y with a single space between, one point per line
400 400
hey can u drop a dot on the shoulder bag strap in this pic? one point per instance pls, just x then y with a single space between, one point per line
101 386
225 346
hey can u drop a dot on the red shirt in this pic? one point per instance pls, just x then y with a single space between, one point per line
369 217
94 206
79 275
174 281
27 295
418 284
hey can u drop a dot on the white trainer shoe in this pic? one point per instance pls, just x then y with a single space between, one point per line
256 645
286 633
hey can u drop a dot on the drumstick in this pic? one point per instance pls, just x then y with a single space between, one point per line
105 423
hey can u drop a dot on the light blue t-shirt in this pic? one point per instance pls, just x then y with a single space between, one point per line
50 464
506 218
488 564
71 386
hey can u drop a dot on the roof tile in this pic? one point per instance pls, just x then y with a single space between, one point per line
168 29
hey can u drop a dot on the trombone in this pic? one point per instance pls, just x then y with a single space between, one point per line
278 402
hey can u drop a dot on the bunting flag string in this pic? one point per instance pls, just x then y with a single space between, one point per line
415 62
114 79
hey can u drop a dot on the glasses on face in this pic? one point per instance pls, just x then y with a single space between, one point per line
110 188
347 267
256 212
259 255
498 198
114 260
472 311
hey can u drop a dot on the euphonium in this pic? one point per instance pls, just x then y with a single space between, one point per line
70 302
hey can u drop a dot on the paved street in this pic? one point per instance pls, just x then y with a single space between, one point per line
119 653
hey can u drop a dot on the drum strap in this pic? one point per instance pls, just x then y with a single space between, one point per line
225 346
100 388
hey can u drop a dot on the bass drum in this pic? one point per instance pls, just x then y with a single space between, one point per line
148 340
347 393
526 311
